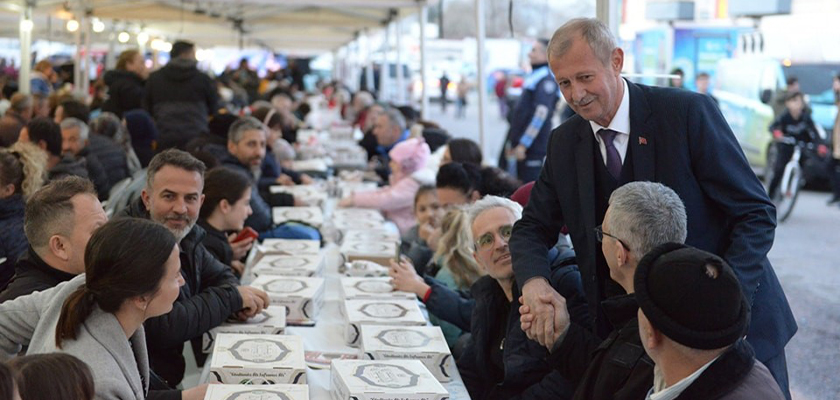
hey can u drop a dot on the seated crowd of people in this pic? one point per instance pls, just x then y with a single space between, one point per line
78 304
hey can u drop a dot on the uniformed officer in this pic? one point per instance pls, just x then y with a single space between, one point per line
530 122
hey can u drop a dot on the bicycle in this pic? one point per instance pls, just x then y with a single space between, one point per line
792 179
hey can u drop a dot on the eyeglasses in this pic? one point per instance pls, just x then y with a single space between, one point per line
486 240
599 234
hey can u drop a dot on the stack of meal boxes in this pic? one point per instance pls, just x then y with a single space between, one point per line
291 271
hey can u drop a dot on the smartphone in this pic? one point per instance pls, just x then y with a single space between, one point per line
245 234
398 254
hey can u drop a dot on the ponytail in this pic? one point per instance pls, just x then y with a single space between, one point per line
76 309
113 271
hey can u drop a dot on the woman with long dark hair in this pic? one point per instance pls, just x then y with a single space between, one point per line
132 273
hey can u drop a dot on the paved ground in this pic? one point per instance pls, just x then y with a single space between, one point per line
805 257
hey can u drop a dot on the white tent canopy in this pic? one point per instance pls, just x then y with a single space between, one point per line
296 27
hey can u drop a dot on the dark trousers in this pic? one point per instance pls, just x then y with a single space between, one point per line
834 175
778 368
783 154
528 170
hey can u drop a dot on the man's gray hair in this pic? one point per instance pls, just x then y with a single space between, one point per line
365 98
645 215
242 125
71 123
488 202
396 118
20 102
595 32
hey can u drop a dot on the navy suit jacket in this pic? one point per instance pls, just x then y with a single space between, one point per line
678 138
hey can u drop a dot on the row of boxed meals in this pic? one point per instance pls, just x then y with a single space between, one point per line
316 195
342 218
400 363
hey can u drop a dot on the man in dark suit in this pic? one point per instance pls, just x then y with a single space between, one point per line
625 132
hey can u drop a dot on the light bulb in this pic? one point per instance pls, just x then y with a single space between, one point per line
72 25
97 25
26 25
123 37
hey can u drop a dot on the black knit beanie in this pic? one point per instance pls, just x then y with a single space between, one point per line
693 297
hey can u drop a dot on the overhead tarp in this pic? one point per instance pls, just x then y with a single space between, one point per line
290 26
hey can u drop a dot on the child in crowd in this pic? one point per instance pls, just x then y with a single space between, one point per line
227 197
418 243
22 172
69 378
454 268
408 173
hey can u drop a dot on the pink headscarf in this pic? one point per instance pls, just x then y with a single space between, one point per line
411 154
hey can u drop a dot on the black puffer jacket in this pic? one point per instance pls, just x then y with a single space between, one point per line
527 373
125 91
96 173
68 166
208 297
180 98
617 368
32 274
111 156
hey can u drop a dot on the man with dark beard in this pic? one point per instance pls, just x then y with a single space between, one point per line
246 153
172 197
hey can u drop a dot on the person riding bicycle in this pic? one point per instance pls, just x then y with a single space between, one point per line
795 123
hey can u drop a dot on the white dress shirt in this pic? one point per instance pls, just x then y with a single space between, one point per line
620 123
659 392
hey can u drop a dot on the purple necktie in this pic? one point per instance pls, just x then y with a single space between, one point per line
613 158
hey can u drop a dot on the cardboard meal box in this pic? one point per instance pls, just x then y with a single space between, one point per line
257 359
424 343
384 380
344 225
316 165
261 392
372 288
391 312
271 321
343 132
310 215
349 156
347 188
311 195
284 265
302 296
371 235
363 269
358 214
379 252
289 247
